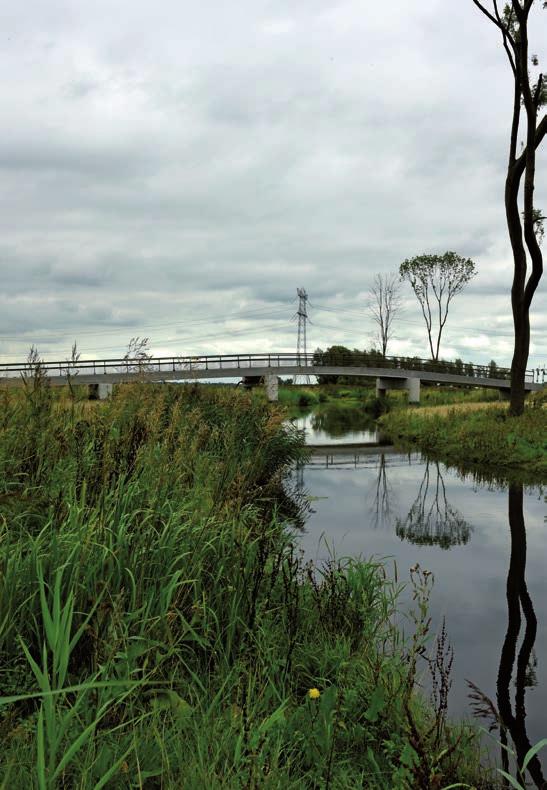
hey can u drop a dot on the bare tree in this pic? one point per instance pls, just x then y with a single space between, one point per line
436 280
529 94
384 305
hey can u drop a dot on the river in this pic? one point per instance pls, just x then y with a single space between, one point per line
490 570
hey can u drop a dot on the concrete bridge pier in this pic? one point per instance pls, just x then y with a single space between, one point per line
271 384
99 391
411 385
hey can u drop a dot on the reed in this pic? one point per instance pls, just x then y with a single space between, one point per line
158 626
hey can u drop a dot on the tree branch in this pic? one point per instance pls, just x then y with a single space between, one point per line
506 35
487 13
520 163
520 12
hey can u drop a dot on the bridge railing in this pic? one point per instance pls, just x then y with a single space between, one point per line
317 359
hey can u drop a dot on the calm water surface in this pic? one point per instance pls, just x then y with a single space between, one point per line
338 426
490 570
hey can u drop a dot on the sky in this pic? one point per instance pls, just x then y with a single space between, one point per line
176 170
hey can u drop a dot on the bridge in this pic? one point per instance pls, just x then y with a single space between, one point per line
390 372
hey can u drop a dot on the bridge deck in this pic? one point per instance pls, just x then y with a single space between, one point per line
111 371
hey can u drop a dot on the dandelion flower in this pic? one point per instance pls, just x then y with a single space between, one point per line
314 693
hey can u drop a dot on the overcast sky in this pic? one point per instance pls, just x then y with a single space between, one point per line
178 169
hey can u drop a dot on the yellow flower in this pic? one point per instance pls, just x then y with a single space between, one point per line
314 693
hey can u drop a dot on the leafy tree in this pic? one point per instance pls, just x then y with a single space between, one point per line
435 280
384 306
529 94
334 356
458 367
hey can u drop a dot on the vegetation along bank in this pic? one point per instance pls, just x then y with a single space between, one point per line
477 435
159 628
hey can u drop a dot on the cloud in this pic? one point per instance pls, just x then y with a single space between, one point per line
159 172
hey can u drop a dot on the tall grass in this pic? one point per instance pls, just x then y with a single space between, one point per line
484 437
158 627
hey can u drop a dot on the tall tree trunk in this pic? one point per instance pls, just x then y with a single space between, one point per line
513 24
521 319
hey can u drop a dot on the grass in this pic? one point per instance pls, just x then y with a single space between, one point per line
476 435
306 397
159 629
440 396
300 400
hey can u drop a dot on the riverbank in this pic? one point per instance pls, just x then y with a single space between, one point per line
472 435
158 624
298 398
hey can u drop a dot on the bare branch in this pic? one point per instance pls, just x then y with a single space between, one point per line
506 35
384 306
487 13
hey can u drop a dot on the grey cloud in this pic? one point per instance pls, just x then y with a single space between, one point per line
205 160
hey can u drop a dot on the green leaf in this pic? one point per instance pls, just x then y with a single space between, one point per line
111 771
377 704
41 752
170 700
409 758
73 748
531 753
510 779
49 693
276 716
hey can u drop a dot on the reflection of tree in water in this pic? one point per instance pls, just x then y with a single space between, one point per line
513 723
518 601
432 520
337 421
381 508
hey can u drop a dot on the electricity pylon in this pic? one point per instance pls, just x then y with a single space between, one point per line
301 343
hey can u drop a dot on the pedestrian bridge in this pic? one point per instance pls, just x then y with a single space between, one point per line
390 372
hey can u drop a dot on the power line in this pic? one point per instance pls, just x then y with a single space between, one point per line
141 327
179 340
406 322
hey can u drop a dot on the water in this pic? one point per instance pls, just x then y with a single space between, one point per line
334 426
381 503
